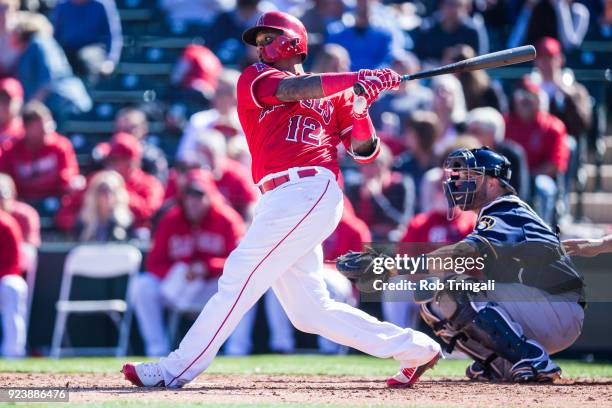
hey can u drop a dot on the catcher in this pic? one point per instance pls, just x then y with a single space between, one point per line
536 307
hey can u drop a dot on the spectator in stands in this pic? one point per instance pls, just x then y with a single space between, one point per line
332 58
196 75
449 105
42 163
567 98
449 26
411 95
430 226
369 45
231 178
421 131
190 245
478 88
44 71
383 199
488 126
95 50
319 15
145 191
198 12
133 121
223 115
604 22
565 20
543 136
11 101
24 214
13 289
9 55
226 30
105 215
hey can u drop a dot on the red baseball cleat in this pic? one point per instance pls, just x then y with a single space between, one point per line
143 374
406 377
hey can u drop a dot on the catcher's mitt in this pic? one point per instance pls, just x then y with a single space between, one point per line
359 266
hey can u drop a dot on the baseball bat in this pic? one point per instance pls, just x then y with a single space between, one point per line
501 58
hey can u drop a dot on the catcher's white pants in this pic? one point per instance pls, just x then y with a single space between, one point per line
282 250
13 307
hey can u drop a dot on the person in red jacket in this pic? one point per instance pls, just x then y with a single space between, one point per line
190 245
11 101
25 215
543 137
424 233
145 191
13 289
42 163
231 177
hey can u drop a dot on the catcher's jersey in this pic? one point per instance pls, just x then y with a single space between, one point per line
521 247
282 135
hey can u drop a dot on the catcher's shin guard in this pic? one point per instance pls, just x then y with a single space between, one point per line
490 338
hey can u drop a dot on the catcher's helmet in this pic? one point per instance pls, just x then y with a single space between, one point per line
464 175
293 38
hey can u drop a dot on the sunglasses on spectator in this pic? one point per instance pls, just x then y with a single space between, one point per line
194 192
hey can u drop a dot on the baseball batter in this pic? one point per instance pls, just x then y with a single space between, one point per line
293 122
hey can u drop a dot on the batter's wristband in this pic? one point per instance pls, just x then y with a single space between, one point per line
363 128
335 82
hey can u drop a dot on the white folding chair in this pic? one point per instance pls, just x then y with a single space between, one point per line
100 261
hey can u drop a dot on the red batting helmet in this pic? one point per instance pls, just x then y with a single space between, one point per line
293 39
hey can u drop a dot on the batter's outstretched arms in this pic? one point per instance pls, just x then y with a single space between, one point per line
365 146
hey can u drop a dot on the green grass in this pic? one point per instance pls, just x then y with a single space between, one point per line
279 364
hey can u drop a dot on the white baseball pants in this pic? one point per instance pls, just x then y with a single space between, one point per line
149 304
13 307
282 250
282 340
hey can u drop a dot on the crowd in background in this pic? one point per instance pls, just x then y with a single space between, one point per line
193 207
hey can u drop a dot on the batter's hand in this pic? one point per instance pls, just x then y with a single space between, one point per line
390 79
371 87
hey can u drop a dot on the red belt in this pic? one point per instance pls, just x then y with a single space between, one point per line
280 180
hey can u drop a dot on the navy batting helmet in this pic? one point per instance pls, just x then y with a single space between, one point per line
464 175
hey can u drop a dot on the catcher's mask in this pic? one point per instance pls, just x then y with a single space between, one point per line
464 176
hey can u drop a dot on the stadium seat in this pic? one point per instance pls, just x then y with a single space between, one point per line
103 261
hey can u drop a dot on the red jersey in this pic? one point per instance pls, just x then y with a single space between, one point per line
234 185
45 172
543 140
434 227
210 242
29 222
282 135
10 241
10 133
349 235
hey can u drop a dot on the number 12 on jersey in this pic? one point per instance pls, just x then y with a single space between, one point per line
305 129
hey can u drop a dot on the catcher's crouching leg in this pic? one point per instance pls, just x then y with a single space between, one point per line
487 335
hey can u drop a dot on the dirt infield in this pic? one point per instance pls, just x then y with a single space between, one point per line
337 390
